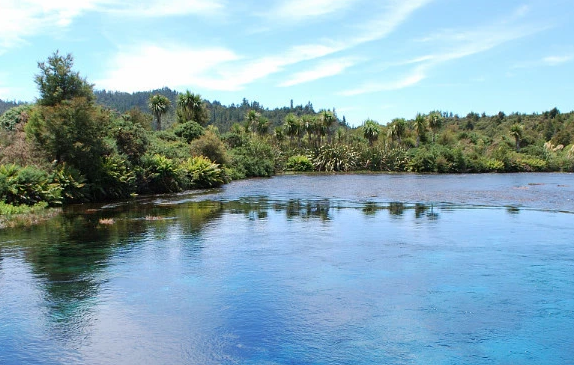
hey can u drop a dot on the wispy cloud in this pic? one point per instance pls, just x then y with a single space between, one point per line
410 79
24 18
454 45
321 70
557 60
302 9
159 8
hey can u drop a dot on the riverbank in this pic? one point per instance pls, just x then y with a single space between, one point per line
12 216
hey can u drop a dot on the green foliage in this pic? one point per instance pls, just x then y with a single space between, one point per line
57 82
159 105
383 159
72 183
131 138
255 159
14 116
116 179
189 131
27 185
337 157
190 107
299 163
202 173
70 132
371 131
210 146
159 174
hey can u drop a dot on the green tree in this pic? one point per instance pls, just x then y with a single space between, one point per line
420 127
435 123
327 119
516 132
57 82
190 106
371 131
159 105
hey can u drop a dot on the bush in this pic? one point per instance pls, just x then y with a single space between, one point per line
210 146
159 174
254 159
189 131
27 185
14 116
337 157
299 163
202 173
72 183
115 180
131 139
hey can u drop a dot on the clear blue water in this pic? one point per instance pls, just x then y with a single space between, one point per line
345 269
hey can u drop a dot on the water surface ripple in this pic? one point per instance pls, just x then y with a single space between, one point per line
304 269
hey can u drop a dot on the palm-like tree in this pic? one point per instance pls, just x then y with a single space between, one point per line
327 119
371 131
159 105
190 107
420 127
251 120
293 126
400 128
516 132
434 122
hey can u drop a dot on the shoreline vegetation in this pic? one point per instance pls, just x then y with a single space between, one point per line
75 145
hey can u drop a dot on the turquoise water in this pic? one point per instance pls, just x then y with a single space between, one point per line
471 269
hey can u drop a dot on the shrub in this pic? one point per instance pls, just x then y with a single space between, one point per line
210 146
254 159
337 157
72 183
159 174
189 131
299 163
14 116
115 180
202 173
27 185
131 139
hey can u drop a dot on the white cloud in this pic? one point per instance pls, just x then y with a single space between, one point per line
557 60
159 8
150 66
417 75
303 9
26 18
322 70
454 44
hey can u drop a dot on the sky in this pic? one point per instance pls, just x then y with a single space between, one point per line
366 59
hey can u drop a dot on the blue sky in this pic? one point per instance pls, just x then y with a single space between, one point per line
368 59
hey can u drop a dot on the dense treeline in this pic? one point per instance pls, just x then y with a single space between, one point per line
219 115
68 147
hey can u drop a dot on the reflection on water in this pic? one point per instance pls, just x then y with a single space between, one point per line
257 277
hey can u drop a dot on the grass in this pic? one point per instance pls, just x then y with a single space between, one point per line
23 215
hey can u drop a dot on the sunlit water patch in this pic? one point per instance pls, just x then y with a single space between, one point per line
301 270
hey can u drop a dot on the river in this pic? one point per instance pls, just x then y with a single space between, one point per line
301 269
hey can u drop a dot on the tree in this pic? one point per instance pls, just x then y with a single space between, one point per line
435 123
293 127
67 125
57 82
398 129
371 131
516 132
190 106
420 127
159 105
327 119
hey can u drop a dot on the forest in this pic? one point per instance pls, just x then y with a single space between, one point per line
77 145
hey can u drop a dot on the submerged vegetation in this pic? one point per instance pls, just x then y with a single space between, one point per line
77 145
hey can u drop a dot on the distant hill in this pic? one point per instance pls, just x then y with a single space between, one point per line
221 115
5 105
